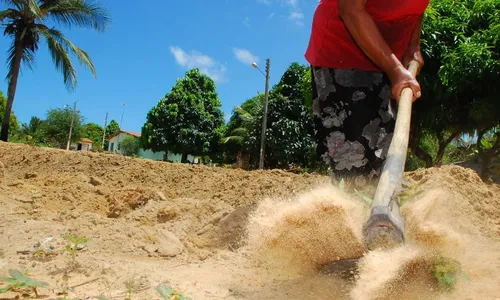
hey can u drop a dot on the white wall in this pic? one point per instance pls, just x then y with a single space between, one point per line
86 147
114 142
113 147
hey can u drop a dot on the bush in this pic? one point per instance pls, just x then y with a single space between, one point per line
130 146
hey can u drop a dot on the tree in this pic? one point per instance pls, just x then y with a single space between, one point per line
93 132
291 83
243 119
130 146
187 120
459 80
289 136
13 123
25 22
58 122
111 129
34 132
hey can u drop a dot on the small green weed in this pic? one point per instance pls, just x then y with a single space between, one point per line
2 253
446 271
130 285
75 242
367 199
19 280
409 193
169 293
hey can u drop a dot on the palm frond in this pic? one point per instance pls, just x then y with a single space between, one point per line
61 58
59 47
233 139
27 57
9 13
26 5
243 114
81 13
240 131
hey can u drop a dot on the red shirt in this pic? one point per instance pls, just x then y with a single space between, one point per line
332 46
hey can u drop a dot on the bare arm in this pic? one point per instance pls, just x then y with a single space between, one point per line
366 34
413 50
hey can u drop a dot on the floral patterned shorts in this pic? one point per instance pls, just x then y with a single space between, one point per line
354 119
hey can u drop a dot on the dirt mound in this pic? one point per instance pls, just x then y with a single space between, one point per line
202 230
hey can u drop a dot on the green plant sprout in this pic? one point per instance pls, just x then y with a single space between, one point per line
130 285
409 193
75 242
19 280
446 271
168 293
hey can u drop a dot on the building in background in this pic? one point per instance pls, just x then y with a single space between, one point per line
114 146
83 144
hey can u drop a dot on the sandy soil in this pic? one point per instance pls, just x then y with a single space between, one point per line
215 233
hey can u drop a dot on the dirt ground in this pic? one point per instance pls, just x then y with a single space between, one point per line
215 233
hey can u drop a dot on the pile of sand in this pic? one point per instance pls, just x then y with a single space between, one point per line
154 222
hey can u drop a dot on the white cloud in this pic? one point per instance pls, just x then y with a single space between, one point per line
297 17
206 64
245 56
292 3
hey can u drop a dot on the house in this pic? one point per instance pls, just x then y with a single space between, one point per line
83 144
115 139
114 146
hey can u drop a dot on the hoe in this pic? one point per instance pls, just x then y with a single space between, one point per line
385 227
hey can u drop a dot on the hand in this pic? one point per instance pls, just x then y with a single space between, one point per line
401 78
413 53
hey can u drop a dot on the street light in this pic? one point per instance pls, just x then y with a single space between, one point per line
264 117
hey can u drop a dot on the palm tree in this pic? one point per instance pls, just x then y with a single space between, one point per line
25 22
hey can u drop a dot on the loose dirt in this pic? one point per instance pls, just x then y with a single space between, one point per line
215 233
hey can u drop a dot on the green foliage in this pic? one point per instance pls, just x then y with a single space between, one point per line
129 146
112 128
306 86
291 83
34 133
75 242
187 120
58 122
93 132
18 280
169 293
14 124
289 134
459 91
446 271
27 23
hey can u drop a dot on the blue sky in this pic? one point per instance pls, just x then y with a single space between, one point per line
148 47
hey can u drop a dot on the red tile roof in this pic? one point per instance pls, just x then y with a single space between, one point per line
134 134
86 141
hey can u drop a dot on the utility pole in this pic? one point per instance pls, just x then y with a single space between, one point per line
121 122
71 126
264 118
104 133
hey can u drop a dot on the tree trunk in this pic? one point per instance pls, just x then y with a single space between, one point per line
421 154
16 66
184 158
442 147
487 156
